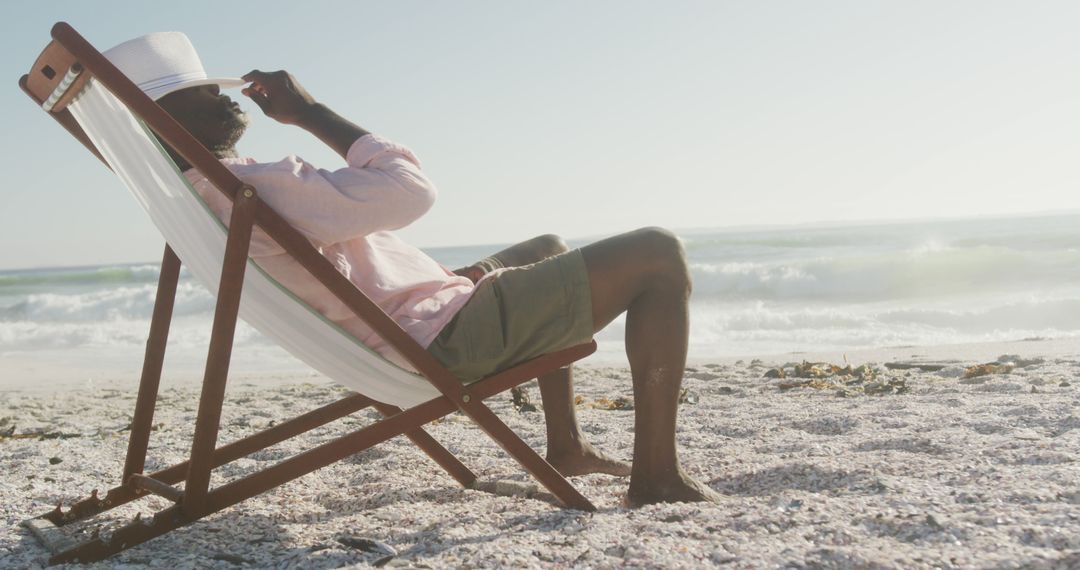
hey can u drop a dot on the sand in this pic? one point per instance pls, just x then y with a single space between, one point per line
930 470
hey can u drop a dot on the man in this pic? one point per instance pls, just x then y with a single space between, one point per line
530 299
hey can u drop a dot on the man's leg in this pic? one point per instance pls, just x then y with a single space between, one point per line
567 449
644 274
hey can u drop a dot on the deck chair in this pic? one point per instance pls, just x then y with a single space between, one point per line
104 110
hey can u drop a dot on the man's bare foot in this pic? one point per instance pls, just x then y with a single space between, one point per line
681 489
587 459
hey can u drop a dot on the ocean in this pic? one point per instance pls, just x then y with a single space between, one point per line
756 292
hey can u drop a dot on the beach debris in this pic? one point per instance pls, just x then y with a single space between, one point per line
890 386
55 460
861 373
367 545
923 366
725 390
845 380
579 400
952 371
1064 384
620 403
521 400
819 370
1018 362
687 397
7 427
757 363
36 434
864 372
987 369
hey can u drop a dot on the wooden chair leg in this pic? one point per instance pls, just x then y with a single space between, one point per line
217 363
143 420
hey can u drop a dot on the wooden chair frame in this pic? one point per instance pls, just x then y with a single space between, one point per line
58 74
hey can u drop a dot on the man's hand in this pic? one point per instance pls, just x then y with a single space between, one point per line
282 98
279 95
472 272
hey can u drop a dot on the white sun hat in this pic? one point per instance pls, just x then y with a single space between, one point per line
163 62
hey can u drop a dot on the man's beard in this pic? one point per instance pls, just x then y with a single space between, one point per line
232 129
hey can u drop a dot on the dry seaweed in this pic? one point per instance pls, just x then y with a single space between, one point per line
988 369
619 403
41 435
846 380
687 397
820 370
521 400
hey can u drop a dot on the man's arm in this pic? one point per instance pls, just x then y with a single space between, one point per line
282 98
381 189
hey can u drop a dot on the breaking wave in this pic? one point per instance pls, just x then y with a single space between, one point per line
85 276
921 273
759 327
755 292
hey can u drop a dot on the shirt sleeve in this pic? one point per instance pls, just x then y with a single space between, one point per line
381 188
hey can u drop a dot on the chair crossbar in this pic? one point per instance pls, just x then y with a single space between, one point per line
150 485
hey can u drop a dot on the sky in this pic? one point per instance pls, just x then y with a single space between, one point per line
587 119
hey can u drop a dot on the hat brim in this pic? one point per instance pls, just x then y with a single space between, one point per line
223 82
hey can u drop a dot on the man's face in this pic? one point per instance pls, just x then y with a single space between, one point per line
212 118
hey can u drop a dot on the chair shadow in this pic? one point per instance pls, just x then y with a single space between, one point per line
432 542
450 494
239 538
231 537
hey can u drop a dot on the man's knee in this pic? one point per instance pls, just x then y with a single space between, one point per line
549 245
664 253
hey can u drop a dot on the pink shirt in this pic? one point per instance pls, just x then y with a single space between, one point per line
348 215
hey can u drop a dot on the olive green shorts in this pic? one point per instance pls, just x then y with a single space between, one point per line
517 314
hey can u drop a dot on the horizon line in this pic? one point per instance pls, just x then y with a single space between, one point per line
687 230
